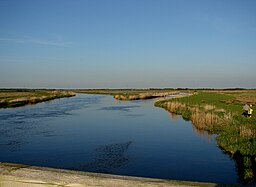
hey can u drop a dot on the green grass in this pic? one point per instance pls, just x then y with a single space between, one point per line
210 98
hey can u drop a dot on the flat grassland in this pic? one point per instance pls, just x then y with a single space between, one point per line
19 97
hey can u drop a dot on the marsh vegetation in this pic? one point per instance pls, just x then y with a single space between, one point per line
14 98
132 94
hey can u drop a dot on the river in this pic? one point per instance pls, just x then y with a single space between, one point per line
97 133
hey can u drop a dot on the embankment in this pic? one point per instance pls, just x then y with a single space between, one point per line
17 175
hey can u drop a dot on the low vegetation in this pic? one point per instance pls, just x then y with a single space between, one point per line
220 112
143 95
132 94
15 98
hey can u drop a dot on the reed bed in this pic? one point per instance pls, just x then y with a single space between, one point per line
203 117
31 97
247 131
138 96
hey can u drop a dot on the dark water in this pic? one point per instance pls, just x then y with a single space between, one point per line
99 134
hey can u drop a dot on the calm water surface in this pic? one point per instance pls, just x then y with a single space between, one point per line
99 134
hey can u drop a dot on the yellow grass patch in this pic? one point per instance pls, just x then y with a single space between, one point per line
247 131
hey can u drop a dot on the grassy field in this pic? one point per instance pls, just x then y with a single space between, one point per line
15 98
220 112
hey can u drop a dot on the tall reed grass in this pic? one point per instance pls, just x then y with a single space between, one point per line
204 117
137 96
247 130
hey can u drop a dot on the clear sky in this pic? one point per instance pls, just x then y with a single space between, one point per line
127 43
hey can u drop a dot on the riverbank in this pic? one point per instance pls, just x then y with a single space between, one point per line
15 98
17 175
220 112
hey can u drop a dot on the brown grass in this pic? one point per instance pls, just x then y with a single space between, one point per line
247 131
203 117
208 107
146 95
5 95
174 106
203 120
11 99
248 96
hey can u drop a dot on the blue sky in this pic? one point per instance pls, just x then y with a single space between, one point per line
127 43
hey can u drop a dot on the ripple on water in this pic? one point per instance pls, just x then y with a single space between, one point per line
120 108
109 158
